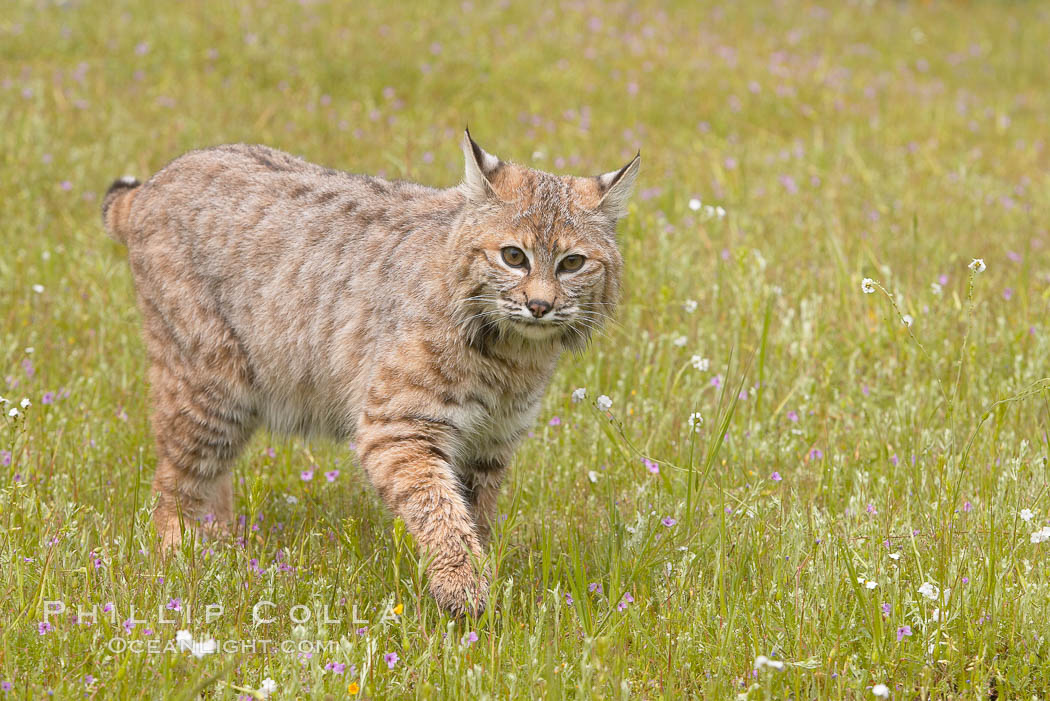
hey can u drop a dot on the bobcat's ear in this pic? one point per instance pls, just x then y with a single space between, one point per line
616 186
480 167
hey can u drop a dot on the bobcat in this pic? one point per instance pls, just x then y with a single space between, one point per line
424 324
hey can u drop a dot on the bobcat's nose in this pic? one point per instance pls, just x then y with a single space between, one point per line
538 307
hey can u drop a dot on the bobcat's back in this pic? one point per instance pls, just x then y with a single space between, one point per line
309 269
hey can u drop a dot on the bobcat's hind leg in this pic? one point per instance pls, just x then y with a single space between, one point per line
201 422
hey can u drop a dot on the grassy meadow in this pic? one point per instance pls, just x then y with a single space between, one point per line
859 514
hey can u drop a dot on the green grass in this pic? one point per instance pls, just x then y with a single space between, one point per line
895 141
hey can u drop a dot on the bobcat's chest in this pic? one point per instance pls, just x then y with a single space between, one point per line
498 419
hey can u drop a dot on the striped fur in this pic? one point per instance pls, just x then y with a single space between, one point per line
278 293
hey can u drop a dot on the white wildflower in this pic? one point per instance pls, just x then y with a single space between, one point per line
25 403
3 400
592 476
29 350
689 305
977 265
13 413
578 395
930 591
1042 535
696 420
184 639
712 212
936 288
39 289
604 403
907 320
895 556
1026 515
700 363
763 661
291 499
881 690
867 285
870 584
681 341
695 204
267 687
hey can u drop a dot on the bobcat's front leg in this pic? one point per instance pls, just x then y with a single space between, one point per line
408 459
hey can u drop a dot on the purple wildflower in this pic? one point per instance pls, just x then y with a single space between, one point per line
816 454
594 587
331 475
792 415
43 628
775 476
668 521
175 604
886 608
568 598
555 421
653 467
5 686
903 631
391 659
470 637
306 475
48 398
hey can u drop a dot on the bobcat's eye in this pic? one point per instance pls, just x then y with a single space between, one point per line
571 264
514 257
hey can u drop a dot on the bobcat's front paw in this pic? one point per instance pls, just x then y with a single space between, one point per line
459 588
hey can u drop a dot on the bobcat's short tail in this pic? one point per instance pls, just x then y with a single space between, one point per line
116 206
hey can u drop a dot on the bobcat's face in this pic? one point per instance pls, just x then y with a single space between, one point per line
541 256
546 276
